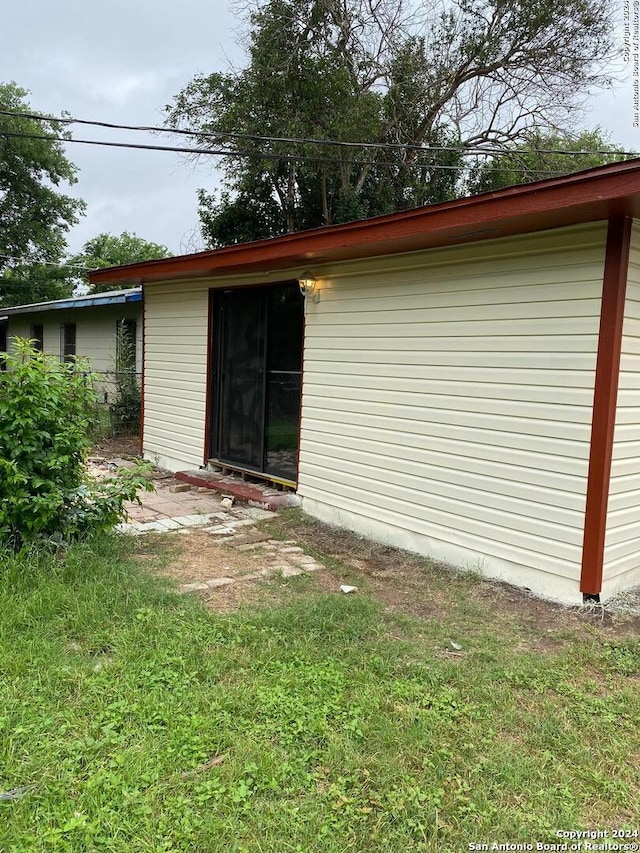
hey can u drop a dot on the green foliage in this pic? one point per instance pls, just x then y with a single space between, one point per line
623 657
124 411
476 73
94 506
45 419
24 284
34 214
112 250
539 158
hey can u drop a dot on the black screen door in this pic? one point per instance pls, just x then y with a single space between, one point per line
257 364
242 378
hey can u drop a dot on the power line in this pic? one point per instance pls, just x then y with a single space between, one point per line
461 149
261 155
25 262
219 152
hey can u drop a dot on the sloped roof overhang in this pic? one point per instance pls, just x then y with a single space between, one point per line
589 196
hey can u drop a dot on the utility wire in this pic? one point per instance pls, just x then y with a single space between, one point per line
462 149
217 152
44 263
259 155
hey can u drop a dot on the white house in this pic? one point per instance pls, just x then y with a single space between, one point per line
462 380
81 326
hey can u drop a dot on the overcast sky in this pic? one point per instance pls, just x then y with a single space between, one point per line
122 62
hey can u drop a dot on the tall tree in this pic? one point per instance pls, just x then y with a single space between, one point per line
24 284
473 74
543 156
112 250
34 214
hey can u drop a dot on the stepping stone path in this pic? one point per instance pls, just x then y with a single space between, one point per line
282 558
233 525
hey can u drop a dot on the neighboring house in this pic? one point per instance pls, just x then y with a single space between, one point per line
470 376
83 326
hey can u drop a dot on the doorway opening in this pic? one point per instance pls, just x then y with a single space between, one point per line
256 358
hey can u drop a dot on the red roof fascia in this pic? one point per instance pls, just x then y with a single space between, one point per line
587 196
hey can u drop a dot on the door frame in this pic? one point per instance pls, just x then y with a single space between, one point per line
213 401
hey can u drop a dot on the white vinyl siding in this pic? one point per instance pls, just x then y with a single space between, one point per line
447 399
622 544
175 373
95 335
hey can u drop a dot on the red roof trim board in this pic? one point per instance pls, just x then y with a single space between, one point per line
596 194
604 403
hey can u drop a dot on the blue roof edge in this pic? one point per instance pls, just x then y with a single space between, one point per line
118 297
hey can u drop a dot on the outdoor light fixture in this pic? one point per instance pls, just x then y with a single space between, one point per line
308 286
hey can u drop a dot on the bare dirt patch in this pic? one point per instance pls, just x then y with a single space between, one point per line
405 583
198 557
416 586
268 592
201 557
124 447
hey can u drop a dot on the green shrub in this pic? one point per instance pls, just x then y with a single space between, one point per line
45 419
124 412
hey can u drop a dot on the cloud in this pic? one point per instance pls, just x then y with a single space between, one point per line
86 80
118 88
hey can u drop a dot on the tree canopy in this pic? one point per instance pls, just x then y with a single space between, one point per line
35 214
112 250
543 156
467 75
23 284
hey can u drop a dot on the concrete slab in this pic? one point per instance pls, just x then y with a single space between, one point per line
258 514
234 523
291 572
193 519
193 587
151 527
302 559
124 527
169 523
165 511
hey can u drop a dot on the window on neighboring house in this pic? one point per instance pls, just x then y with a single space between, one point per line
36 333
67 341
3 345
126 346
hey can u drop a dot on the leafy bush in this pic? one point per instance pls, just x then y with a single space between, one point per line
45 418
100 505
124 412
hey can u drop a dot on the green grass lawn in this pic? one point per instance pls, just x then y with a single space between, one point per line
141 722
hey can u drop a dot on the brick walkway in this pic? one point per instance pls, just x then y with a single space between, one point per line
171 510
